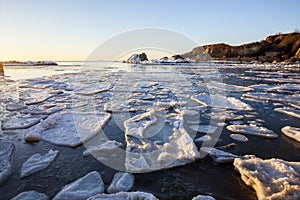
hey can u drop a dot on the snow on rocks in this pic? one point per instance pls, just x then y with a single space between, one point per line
37 162
68 129
220 101
6 149
122 182
252 130
291 132
218 155
203 197
271 178
20 123
124 196
83 188
148 149
289 111
239 137
30 195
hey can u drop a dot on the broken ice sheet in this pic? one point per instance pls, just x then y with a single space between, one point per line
31 195
37 162
93 89
203 197
218 155
83 188
122 182
252 130
295 98
289 111
153 145
291 132
220 101
30 97
20 123
68 128
204 128
6 149
227 87
124 196
272 178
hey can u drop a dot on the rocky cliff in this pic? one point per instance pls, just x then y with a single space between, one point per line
275 48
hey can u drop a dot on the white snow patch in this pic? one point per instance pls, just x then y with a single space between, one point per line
272 178
291 132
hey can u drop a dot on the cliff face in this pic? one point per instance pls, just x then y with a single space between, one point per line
281 47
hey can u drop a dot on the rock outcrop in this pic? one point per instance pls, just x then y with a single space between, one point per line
275 48
137 58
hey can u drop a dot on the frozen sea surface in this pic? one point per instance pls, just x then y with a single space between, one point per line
100 115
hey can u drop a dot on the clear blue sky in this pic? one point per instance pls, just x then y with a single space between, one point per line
71 30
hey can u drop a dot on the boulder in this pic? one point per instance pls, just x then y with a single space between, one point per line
137 58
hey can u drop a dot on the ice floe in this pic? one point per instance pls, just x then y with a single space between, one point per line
122 182
31 195
6 149
83 188
204 138
15 106
291 132
94 89
20 123
252 130
204 128
30 97
68 128
295 98
271 178
148 149
203 197
239 137
227 87
37 162
218 155
124 196
220 101
289 111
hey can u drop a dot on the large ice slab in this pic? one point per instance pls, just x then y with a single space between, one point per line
20 123
150 149
252 130
218 155
68 128
37 162
124 196
289 111
227 87
272 179
83 188
31 195
122 182
220 101
6 149
291 132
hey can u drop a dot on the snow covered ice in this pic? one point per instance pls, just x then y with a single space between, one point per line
20 123
37 162
272 178
148 150
218 155
252 130
83 188
291 132
122 182
203 197
68 128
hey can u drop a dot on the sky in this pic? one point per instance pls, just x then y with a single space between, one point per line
71 30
